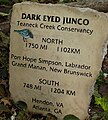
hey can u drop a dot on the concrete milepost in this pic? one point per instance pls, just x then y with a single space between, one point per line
55 57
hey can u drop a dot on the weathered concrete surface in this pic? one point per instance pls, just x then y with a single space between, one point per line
54 69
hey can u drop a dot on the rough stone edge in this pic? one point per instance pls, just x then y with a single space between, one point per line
77 5
99 6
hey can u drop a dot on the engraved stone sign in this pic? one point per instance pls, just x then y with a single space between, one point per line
55 57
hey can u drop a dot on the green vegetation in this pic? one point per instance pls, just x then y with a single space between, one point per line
70 117
100 111
4 1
